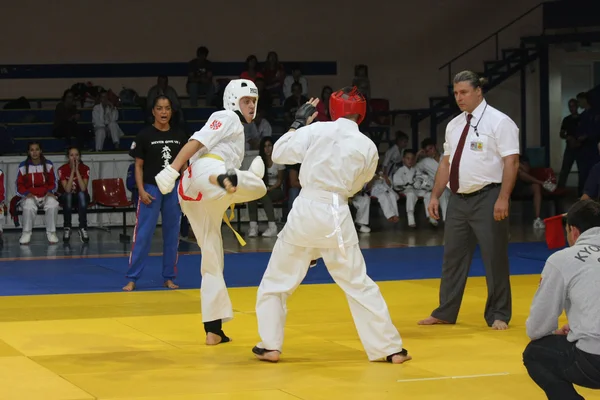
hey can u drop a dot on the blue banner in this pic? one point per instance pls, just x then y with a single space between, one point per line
54 71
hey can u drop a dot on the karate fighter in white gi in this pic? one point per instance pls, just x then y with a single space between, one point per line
337 160
211 184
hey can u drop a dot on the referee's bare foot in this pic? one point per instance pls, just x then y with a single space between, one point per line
129 287
170 284
432 321
499 325
214 179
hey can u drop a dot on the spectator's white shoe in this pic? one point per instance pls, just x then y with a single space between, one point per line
271 230
253 231
364 229
411 220
25 238
539 224
433 221
52 238
549 186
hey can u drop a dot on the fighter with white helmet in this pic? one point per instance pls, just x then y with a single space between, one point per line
336 161
211 184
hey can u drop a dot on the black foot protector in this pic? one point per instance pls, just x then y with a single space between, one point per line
403 353
215 327
259 351
232 178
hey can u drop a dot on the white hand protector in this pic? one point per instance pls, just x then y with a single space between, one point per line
165 180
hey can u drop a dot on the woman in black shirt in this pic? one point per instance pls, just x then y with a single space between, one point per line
154 148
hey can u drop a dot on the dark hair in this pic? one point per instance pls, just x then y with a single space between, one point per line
42 159
401 135
572 101
161 97
408 151
324 89
297 85
71 148
584 215
472 78
582 95
427 142
202 50
263 155
65 93
251 57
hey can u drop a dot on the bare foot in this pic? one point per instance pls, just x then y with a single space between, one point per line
129 287
169 284
499 325
212 339
432 321
228 185
399 358
395 219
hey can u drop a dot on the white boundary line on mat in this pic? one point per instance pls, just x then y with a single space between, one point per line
439 378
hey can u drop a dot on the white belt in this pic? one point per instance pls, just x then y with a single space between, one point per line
334 200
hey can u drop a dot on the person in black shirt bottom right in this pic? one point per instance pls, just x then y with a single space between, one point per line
154 148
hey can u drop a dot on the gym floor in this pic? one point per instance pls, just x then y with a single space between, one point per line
67 331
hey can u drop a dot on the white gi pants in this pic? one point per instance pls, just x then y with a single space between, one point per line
286 270
115 134
412 196
387 198
362 203
206 217
30 208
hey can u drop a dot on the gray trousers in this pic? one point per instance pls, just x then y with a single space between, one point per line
470 221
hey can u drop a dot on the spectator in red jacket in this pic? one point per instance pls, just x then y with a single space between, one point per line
36 185
74 177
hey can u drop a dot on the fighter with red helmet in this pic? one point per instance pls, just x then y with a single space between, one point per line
337 160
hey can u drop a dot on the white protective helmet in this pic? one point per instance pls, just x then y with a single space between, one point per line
235 90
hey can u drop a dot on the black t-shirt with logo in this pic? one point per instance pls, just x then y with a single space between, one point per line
158 149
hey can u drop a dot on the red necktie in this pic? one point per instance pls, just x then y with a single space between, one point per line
457 155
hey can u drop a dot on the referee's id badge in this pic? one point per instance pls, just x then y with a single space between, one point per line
476 146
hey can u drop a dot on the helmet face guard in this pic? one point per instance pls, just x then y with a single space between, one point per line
235 90
348 101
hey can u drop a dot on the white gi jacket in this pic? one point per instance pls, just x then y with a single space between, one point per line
337 161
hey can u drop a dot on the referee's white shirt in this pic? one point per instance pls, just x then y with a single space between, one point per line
496 136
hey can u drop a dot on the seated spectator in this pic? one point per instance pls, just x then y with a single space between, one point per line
162 88
556 359
294 184
323 105
66 117
428 162
392 160
361 80
266 100
251 73
591 189
274 74
528 185
296 77
104 119
74 177
380 188
200 78
131 184
274 181
292 103
2 199
408 180
36 186
256 130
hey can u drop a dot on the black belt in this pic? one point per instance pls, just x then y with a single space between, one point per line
482 190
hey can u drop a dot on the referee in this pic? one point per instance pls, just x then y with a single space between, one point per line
480 165
154 148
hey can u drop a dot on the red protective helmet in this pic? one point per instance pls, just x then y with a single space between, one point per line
347 101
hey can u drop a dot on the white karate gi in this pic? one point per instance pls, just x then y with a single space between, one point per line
428 167
337 160
404 180
105 119
224 142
